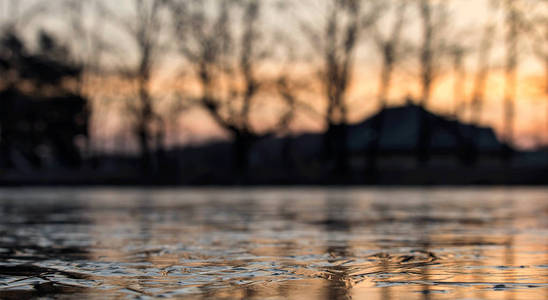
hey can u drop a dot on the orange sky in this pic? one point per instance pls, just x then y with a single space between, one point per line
467 19
194 125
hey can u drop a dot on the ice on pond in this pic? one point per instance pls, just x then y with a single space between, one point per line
274 243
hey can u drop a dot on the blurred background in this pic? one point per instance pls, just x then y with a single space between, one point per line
191 92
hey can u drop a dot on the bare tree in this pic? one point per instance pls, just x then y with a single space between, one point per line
391 49
227 66
511 66
87 39
433 15
335 44
514 20
482 73
540 37
458 53
144 29
86 31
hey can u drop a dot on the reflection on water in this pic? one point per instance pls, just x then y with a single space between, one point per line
296 244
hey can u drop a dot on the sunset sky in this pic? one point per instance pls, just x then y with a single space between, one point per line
467 19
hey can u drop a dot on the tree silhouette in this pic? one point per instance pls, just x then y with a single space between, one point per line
227 66
335 43
144 30
539 29
40 104
482 73
86 27
433 16
514 23
391 48
48 69
392 51
511 66
458 54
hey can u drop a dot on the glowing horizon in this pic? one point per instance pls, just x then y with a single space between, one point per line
195 125
467 18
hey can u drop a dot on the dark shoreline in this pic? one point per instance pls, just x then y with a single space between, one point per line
435 176
152 185
295 187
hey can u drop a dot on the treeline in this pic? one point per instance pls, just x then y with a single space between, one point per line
236 59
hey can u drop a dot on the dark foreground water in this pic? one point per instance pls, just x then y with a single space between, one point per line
274 244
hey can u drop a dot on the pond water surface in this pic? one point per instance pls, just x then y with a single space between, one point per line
298 243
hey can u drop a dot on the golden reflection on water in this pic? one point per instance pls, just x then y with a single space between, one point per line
275 243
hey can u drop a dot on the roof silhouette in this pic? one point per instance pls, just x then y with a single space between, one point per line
400 128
